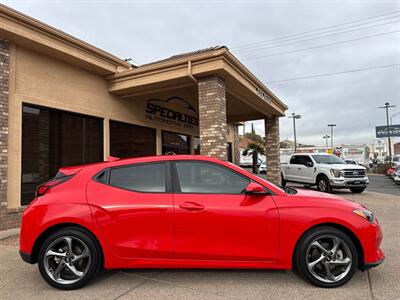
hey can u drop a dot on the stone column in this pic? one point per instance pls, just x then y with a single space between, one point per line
272 149
212 117
236 150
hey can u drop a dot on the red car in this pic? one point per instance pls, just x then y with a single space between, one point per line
191 212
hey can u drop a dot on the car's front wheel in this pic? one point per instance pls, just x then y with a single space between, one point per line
323 184
69 258
326 257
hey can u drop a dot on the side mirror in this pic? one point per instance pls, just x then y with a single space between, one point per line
254 188
309 164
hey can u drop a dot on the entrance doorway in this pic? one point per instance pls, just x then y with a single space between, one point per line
175 143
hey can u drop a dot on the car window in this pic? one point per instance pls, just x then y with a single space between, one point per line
142 178
295 160
199 177
306 159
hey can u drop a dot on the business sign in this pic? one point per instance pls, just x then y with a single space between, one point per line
385 131
173 111
263 94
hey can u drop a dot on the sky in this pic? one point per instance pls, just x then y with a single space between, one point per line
281 42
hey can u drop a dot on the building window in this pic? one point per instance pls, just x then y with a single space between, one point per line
127 140
175 143
52 139
196 145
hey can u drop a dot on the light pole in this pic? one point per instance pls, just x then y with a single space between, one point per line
387 106
326 137
391 117
294 117
331 126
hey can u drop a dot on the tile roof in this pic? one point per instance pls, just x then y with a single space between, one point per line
187 54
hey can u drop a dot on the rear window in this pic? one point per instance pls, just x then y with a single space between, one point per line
141 178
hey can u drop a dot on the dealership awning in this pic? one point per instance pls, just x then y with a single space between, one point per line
247 97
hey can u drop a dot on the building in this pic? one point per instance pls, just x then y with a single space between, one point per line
396 148
65 102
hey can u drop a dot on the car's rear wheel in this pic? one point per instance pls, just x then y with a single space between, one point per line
69 258
357 190
283 181
326 257
323 184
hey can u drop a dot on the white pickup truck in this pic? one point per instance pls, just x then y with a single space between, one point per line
326 171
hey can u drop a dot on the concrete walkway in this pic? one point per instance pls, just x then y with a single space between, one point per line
19 280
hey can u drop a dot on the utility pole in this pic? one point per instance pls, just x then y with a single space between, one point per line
326 137
331 126
294 117
387 106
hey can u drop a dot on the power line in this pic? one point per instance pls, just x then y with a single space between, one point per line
310 39
332 74
316 30
321 46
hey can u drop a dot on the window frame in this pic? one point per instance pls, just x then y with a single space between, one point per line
168 180
176 182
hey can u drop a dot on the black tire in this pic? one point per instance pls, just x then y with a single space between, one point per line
93 262
323 184
319 233
283 181
357 190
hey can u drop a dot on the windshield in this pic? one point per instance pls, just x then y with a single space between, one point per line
328 159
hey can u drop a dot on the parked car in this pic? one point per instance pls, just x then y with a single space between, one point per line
326 171
263 168
391 170
396 177
183 211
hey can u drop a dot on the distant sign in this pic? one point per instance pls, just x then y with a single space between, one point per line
385 131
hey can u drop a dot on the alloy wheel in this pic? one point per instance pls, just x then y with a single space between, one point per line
323 186
328 258
67 260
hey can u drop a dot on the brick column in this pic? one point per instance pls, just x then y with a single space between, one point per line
236 150
212 117
272 149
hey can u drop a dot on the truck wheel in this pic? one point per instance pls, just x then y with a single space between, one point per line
357 190
323 184
283 181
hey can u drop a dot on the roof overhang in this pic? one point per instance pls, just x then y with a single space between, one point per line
31 33
185 71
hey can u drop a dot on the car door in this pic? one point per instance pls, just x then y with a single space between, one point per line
307 170
215 220
292 168
133 206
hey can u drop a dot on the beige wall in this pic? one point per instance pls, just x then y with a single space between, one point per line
42 80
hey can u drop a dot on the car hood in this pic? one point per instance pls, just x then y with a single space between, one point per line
325 198
342 166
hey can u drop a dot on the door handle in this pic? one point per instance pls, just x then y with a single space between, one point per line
192 206
298 168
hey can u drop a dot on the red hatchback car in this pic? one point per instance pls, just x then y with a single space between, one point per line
191 212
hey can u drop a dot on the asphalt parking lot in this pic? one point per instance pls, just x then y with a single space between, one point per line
19 280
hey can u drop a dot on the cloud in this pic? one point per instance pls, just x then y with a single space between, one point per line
150 31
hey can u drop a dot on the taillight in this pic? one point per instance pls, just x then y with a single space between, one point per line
45 187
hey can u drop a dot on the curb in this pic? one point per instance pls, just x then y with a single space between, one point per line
9 232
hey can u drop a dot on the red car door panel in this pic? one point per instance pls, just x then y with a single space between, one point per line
222 226
136 224
228 227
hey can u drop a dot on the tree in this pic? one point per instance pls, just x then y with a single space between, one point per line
254 149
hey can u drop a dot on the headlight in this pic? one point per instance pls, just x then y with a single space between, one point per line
366 214
335 173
